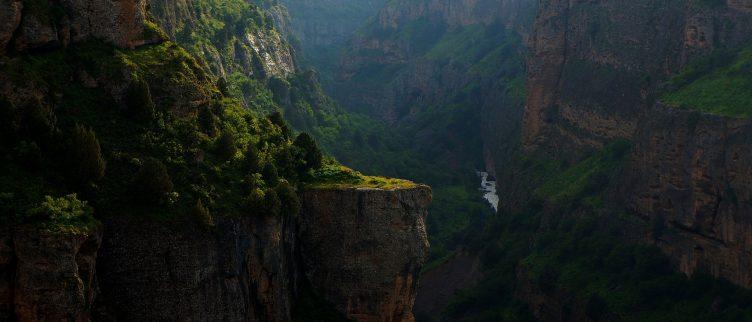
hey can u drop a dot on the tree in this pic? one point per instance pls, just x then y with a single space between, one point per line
207 120
139 101
288 198
312 156
277 119
201 214
272 206
226 147
222 86
270 175
255 201
252 160
152 183
85 162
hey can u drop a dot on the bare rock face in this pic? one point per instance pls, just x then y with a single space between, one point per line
364 248
588 61
587 86
46 275
10 19
241 270
47 25
693 172
269 46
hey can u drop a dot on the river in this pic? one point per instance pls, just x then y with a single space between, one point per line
488 188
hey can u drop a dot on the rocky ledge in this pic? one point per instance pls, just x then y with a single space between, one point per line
363 248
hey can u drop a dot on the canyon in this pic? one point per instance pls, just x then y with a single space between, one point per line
621 173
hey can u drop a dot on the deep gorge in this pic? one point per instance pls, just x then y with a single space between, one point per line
236 160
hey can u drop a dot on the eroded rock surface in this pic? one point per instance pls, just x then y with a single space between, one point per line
364 248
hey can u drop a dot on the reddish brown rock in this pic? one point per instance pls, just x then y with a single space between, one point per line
47 275
364 248
10 18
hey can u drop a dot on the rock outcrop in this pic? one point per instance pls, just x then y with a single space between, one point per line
593 75
42 25
593 66
692 172
47 275
251 50
243 270
364 248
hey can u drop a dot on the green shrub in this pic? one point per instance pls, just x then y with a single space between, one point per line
201 214
84 161
252 160
277 119
222 87
312 156
255 201
272 205
152 183
289 198
65 208
226 147
139 101
207 120
270 175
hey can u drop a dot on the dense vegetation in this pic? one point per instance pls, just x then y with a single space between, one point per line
565 245
173 147
720 84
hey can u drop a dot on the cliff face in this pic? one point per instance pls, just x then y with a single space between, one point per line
391 67
242 270
254 49
29 26
353 242
323 26
692 171
47 275
593 76
583 55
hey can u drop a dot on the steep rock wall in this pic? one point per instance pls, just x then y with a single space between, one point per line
47 275
593 66
29 26
593 75
240 52
364 248
692 172
242 270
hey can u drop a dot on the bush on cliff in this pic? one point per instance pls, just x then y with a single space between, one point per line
84 160
139 101
152 183
311 154
201 215
290 203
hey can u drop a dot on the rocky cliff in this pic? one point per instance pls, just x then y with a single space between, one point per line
47 275
594 75
248 44
352 241
163 254
396 63
29 26
583 55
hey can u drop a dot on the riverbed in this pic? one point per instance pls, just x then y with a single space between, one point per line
488 188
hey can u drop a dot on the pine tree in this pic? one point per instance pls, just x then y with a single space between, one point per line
139 100
270 175
202 215
152 184
288 198
226 148
312 156
85 162
252 159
